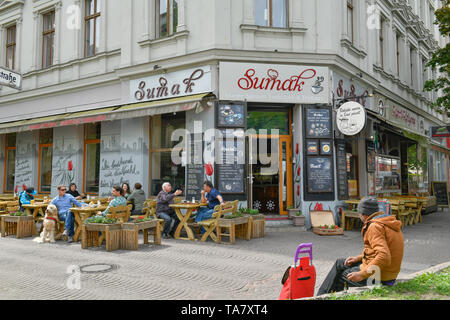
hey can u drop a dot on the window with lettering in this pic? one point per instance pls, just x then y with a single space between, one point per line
10 161
91 165
271 13
166 14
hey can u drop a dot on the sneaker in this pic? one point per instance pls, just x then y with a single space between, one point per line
165 236
65 233
70 240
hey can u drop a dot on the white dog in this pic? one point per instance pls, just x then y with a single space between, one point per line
50 222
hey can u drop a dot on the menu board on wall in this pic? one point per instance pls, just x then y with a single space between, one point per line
231 115
319 174
195 169
370 150
318 123
441 193
230 174
341 168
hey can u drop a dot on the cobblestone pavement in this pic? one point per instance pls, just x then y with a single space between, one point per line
194 270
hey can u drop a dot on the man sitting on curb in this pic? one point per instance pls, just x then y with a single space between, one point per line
383 248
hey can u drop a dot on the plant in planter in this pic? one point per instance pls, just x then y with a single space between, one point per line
298 218
292 212
18 214
100 220
141 219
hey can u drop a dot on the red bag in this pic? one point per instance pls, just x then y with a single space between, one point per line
302 278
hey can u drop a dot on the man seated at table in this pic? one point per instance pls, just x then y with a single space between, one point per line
163 211
137 198
26 196
63 202
213 197
383 251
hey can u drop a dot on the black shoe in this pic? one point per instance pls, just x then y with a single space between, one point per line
165 236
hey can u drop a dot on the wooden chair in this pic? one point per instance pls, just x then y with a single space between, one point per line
211 224
121 213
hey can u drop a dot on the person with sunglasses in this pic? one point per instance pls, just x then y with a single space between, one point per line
63 202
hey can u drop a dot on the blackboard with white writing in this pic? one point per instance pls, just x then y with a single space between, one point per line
195 169
319 174
230 174
341 170
440 191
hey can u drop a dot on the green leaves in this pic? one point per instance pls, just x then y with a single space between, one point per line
100 219
18 214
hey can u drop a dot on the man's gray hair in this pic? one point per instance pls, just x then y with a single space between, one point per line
165 184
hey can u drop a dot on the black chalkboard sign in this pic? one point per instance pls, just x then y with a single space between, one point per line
370 150
195 169
318 123
440 191
231 114
230 174
341 170
319 174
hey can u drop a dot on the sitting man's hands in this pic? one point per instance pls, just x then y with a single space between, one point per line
355 277
351 260
178 192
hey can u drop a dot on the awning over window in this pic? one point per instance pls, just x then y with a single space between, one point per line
135 110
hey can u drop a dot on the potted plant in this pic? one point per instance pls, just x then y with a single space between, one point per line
298 219
292 211
17 223
109 228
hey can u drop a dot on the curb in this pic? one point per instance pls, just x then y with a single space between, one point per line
357 290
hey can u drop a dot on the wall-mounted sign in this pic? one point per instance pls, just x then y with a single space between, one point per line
273 83
440 132
351 118
403 117
312 147
351 90
319 174
10 78
370 151
325 148
341 170
171 85
231 114
230 173
318 123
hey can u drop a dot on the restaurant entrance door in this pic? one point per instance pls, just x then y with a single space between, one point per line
270 173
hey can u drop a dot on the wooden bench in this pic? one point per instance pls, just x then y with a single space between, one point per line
211 224
237 227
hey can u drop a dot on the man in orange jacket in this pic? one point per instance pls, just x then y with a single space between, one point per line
383 250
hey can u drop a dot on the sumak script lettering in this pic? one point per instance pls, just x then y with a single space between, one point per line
272 82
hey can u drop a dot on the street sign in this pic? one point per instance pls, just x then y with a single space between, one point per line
10 78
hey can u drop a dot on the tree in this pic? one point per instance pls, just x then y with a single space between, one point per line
440 60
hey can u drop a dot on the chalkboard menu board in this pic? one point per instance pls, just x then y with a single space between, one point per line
230 174
341 170
370 149
319 174
440 191
195 169
318 123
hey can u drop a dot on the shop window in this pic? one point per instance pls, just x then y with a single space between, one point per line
269 120
417 169
91 165
166 17
162 168
92 27
10 47
10 161
45 160
271 13
352 168
48 39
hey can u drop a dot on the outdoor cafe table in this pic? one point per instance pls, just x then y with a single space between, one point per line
7 198
189 207
37 209
81 214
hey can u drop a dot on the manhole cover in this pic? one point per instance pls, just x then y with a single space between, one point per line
98 268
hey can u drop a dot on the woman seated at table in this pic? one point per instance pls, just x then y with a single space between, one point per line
126 190
118 200
74 192
26 196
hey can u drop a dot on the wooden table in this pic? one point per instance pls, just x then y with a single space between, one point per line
81 214
7 198
36 209
189 207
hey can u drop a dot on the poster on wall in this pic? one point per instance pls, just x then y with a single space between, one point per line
318 123
370 151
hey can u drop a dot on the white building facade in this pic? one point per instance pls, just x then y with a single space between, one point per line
106 83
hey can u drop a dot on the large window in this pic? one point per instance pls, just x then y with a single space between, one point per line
92 27
381 42
271 13
166 17
48 39
397 45
91 158
10 161
45 160
350 19
10 47
269 120
162 167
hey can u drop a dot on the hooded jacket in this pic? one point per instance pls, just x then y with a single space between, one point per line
138 199
383 246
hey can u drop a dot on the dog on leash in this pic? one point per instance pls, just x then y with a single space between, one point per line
50 223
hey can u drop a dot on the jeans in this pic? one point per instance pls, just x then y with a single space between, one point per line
69 220
168 218
337 277
203 213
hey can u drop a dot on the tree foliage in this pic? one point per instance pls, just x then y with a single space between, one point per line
440 61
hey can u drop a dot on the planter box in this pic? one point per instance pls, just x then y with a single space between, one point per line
130 233
258 223
111 232
21 227
238 228
298 220
292 212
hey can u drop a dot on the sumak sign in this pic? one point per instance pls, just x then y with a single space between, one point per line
273 83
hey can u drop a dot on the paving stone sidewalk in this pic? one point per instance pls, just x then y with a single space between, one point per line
194 270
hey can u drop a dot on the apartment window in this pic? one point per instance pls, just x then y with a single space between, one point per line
91 27
411 59
271 13
91 166
398 44
431 17
166 17
10 161
350 19
45 160
48 39
425 71
381 42
10 47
